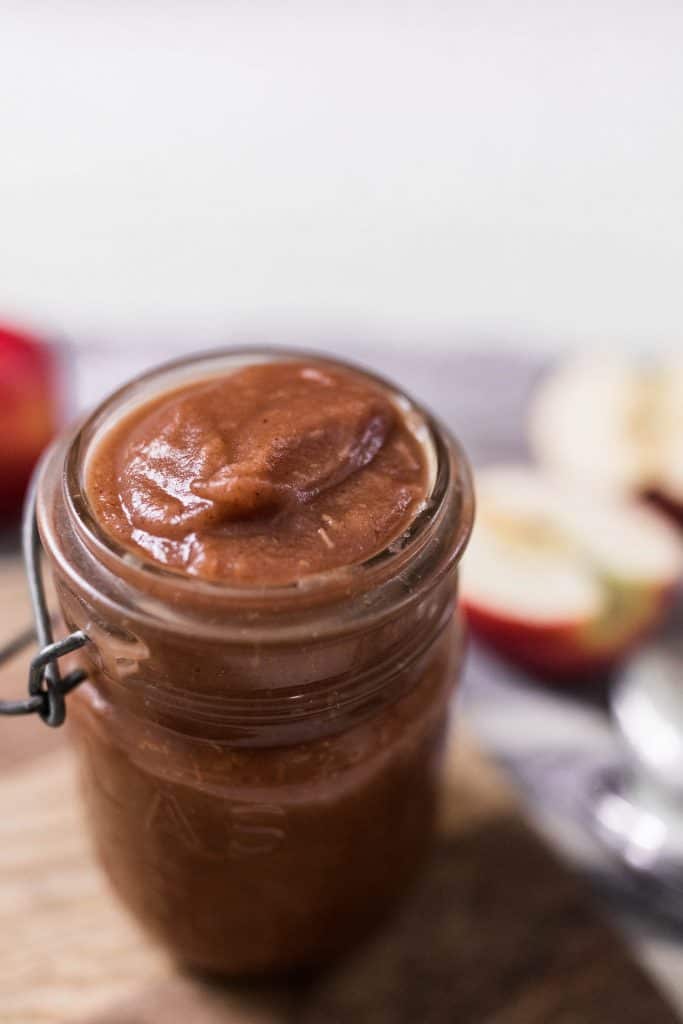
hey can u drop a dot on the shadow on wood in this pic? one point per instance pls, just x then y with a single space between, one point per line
496 932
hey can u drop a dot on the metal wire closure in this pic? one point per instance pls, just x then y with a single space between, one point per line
46 686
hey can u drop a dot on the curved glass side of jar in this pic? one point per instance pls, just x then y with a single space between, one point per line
251 860
260 769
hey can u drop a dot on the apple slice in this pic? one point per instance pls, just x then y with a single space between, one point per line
563 582
614 425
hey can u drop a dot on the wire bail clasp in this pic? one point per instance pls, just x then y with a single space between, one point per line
47 688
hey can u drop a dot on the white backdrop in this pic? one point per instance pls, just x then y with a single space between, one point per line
411 170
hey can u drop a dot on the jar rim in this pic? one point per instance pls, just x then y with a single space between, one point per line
451 471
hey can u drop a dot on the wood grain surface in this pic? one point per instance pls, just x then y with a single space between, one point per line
495 932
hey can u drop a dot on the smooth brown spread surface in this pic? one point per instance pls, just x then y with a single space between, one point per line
267 474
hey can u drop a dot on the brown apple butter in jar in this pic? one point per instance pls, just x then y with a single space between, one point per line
262 548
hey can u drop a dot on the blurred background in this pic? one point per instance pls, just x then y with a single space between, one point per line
464 196
402 171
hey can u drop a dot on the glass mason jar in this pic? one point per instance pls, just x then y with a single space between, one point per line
259 764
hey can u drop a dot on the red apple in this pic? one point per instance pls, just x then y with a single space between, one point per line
563 581
28 411
614 424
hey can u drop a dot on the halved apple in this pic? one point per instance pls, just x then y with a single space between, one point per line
615 425
561 581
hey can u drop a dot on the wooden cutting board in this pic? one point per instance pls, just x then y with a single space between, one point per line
496 931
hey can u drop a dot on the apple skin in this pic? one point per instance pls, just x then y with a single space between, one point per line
570 652
28 412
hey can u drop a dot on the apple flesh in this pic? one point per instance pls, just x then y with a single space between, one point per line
28 412
563 583
614 425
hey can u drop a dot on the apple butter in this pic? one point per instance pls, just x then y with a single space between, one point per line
262 548
266 475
